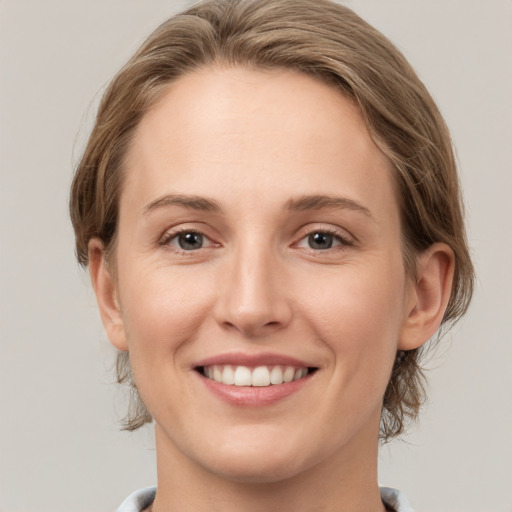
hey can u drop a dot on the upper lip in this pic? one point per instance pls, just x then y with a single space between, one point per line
253 360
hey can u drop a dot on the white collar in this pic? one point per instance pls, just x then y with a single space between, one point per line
139 500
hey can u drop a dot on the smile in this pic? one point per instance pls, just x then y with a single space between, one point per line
260 376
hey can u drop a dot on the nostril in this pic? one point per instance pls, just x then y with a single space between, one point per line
252 327
251 304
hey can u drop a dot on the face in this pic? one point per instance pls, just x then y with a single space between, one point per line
260 281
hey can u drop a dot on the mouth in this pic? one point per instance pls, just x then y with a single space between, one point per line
259 376
254 380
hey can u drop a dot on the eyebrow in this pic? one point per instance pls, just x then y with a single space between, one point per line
302 203
184 201
318 202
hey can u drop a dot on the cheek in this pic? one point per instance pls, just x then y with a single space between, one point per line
162 309
358 313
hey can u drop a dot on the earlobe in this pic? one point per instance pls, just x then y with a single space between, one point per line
105 288
429 296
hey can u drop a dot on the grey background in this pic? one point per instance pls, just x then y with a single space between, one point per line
60 447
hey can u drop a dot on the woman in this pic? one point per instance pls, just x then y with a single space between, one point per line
269 208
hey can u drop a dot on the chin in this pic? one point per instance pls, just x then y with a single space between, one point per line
245 469
260 459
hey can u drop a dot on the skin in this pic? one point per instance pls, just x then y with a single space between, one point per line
255 142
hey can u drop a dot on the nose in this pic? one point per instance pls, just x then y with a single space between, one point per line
253 297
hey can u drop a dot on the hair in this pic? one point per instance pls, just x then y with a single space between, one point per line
325 40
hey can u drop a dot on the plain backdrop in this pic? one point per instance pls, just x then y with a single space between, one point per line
60 445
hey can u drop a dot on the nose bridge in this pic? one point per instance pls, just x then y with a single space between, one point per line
253 299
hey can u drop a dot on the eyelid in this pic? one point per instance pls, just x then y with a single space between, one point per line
343 235
173 232
345 238
343 241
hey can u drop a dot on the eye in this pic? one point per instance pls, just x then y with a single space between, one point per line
187 241
322 240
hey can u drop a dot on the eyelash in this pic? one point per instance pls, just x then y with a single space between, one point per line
169 236
343 241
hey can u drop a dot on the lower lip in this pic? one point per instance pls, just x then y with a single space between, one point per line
253 396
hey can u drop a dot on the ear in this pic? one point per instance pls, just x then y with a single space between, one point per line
105 288
428 297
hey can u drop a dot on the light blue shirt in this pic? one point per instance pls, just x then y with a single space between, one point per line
142 498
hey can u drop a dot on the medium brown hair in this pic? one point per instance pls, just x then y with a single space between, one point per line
330 42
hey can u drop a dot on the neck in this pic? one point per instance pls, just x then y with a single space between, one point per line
345 481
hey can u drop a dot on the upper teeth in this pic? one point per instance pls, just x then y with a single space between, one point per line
259 376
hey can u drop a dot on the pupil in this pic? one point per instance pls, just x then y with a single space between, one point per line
320 241
189 241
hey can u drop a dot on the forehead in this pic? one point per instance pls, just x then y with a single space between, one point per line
255 131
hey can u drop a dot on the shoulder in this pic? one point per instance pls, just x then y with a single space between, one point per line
138 500
395 499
